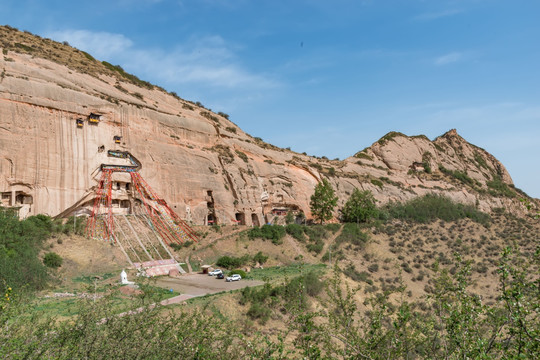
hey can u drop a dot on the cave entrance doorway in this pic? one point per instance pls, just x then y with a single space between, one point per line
240 218
255 220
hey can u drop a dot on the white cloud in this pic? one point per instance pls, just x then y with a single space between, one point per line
99 44
437 15
205 61
448 58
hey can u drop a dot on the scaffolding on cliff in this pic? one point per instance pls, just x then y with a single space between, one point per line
146 234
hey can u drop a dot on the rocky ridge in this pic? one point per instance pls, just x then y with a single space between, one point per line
204 165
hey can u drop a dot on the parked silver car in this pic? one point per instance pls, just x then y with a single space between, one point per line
234 277
215 272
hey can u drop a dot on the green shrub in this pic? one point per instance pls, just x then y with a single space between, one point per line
242 155
377 183
316 232
226 116
480 160
229 262
352 234
132 78
432 207
459 175
354 274
52 260
316 247
260 258
296 231
209 116
499 188
312 283
259 312
333 228
269 232
363 155
373 268
242 273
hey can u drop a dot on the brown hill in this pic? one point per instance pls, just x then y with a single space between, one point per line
204 165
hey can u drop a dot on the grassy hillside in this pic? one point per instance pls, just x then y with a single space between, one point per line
430 281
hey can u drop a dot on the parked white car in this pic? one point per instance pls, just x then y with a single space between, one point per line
215 272
234 277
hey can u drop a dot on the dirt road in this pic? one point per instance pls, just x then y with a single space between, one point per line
201 284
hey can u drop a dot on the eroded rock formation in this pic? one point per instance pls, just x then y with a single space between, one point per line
206 168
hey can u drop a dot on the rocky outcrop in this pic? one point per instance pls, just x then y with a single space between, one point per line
205 167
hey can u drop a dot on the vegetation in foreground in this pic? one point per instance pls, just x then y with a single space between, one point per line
20 245
307 315
456 325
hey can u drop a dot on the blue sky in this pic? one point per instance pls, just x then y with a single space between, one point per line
328 77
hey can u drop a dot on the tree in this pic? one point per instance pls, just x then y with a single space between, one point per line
323 201
360 207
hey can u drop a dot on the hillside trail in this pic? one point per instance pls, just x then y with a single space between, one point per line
332 239
190 270
301 251
234 232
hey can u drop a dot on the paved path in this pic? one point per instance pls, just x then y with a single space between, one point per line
193 285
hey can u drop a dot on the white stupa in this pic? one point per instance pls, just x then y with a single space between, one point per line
124 279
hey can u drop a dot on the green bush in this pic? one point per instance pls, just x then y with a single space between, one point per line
259 312
242 155
499 188
226 116
459 175
352 234
354 274
373 268
132 78
312 283
316 232
186 244
52 260
432 207
269 232
333 228
296 231
260 258
242 273
316 247
229 262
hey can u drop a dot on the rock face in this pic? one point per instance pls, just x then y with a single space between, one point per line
60 114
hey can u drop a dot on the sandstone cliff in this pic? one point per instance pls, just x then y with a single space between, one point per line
205 167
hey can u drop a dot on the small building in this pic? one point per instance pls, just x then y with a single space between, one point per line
117 139
94 118
281 211
79 122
